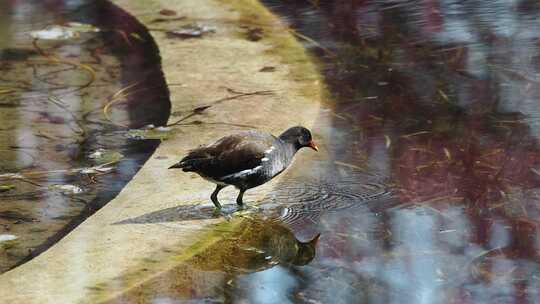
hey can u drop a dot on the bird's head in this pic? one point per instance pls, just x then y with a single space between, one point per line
306 251
300 137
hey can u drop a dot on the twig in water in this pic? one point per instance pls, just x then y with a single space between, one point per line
55 100
306 38
120 95
90 71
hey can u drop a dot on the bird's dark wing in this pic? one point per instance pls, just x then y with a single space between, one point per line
229 155
240 152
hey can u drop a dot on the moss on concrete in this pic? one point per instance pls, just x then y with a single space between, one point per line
282 44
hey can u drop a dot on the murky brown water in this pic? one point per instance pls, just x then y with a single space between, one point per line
66 104
437 100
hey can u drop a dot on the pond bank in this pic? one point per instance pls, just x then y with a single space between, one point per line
246 71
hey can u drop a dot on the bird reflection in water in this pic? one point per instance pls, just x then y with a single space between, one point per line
262 243
254 244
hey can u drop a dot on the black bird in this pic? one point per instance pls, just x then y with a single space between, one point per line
245 160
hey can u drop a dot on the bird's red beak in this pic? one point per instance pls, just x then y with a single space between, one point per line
313 146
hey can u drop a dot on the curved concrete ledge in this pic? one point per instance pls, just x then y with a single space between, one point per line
198 71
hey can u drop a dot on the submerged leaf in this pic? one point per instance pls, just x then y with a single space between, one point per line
6 188
7 237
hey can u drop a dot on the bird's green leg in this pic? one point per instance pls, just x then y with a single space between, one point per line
214 198
239 198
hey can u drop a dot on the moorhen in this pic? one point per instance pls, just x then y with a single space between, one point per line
245 160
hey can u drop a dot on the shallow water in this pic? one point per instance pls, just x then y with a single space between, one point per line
66 105
442 97
431 193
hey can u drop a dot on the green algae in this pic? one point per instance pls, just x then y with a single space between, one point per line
303 67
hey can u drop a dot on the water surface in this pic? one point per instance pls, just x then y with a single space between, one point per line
67 102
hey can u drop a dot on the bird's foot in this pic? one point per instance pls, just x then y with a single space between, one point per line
246 211
217 212
226 213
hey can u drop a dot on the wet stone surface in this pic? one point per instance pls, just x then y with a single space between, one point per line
72 84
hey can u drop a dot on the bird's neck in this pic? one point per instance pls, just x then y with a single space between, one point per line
290 150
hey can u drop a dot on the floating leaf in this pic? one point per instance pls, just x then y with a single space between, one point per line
7 237
54 33
63 32
102 156
161 133
67 189
7 241
96 170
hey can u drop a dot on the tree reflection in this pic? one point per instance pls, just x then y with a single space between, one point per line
442 97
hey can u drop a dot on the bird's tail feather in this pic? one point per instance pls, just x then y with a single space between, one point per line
192 164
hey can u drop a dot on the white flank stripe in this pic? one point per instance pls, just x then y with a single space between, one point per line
242 173
272 148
